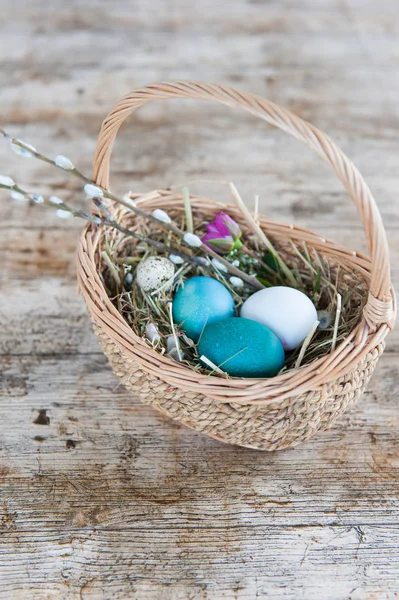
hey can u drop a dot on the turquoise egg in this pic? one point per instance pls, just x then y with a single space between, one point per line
242 348
202 300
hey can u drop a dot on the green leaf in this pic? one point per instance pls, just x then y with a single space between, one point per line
316 283
271 261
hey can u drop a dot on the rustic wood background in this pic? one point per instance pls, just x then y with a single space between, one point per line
100 497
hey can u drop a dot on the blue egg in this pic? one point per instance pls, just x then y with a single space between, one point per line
242 348
202 300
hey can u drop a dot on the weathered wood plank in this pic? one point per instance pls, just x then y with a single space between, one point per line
194 561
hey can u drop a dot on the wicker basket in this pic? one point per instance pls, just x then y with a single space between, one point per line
266 414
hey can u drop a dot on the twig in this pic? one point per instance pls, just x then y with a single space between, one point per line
74 171
249 279
33 152
212 365
233 356
109 222
336 322
112 268
305 344
256 209
187 208
179 354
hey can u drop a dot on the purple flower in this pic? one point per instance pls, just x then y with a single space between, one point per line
223 234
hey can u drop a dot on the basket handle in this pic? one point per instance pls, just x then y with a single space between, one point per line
379 308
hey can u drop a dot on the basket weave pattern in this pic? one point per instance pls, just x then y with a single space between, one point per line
274 427
266 414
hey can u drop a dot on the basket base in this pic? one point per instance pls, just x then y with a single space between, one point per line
279 425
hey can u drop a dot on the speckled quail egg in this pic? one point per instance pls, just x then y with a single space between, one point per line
155 272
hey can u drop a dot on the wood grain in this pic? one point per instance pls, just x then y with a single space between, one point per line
100 497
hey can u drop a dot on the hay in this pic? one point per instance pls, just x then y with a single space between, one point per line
314 275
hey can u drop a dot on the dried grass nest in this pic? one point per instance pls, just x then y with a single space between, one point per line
338 292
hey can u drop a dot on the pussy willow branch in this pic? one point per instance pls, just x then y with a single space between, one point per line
42 157
251 281
108 222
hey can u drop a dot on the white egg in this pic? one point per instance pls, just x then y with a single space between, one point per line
289 313
155 272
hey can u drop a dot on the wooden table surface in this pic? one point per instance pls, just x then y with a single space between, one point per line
101 497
